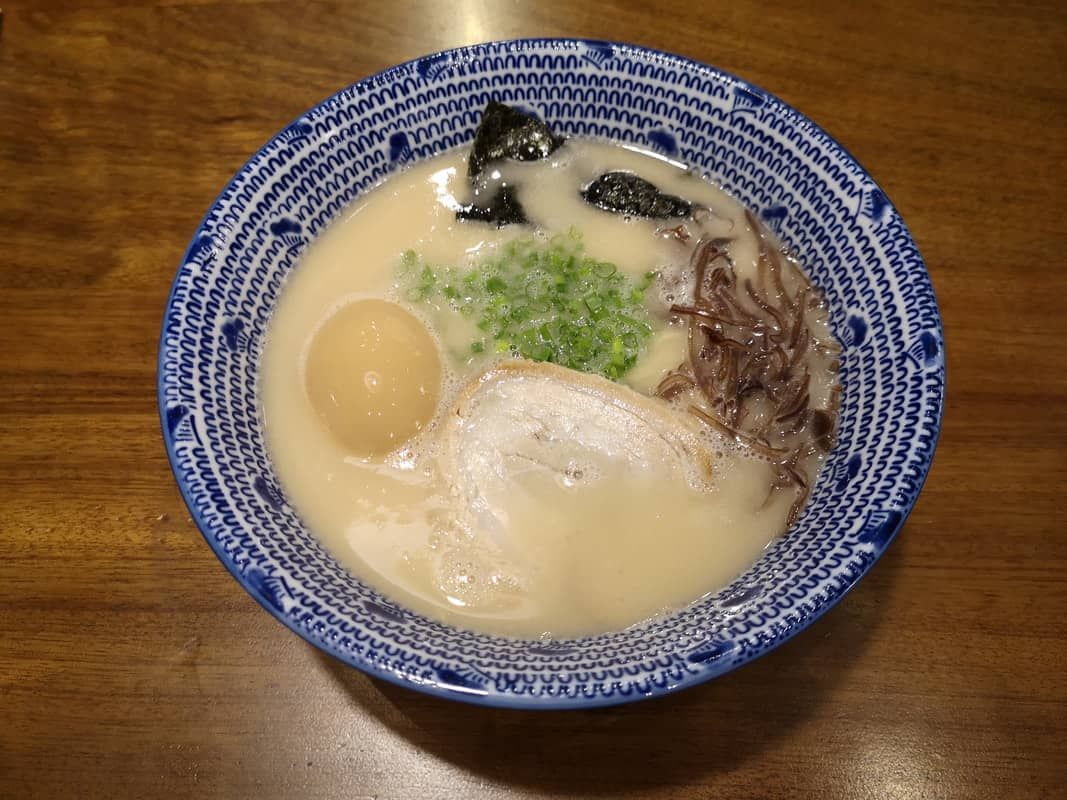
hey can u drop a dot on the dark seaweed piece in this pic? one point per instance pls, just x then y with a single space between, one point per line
505 132
626 193
503 209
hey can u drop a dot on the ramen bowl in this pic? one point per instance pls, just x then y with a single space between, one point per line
803 185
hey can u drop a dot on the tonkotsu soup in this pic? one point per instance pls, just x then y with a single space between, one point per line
546 387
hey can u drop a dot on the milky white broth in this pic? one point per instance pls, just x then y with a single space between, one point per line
573 560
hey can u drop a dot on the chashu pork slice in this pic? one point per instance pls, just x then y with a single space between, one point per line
523 417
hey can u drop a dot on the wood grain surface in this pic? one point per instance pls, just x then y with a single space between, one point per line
132 665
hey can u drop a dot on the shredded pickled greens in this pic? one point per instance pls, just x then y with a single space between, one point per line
544 300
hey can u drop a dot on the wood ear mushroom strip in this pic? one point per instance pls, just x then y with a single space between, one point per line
751 356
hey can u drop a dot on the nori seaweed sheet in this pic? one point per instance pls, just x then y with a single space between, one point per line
505 132
626 193
504 209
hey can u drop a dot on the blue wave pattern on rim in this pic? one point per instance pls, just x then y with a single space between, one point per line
802 183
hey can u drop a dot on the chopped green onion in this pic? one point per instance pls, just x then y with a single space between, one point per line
546 301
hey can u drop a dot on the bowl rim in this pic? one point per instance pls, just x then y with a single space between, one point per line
502 700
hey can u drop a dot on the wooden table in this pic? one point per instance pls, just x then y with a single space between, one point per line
132 665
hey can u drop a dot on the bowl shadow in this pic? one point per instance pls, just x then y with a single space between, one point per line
713 727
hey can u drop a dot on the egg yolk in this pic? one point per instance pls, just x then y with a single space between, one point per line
373 376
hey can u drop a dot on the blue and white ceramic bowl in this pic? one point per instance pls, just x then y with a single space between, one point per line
809 190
